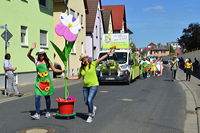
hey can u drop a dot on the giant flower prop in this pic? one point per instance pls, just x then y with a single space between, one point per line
69 27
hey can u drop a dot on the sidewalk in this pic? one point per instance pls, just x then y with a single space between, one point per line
28 89
192 90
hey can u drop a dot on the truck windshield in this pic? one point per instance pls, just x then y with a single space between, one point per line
119 57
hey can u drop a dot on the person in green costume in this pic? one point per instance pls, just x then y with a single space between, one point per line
90 81
43 84
145 67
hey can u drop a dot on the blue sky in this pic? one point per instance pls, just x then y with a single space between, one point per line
158 21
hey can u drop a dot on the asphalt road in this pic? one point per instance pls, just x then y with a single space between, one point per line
155 105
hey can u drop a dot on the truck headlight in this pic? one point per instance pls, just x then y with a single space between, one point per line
124 66
98 68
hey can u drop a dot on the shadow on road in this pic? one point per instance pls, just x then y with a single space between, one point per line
82 115
169 80
32 112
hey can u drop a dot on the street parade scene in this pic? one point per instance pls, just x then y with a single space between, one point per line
99 66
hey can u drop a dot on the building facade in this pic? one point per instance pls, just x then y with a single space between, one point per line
28 21
160 50
176 46
79 12
94 28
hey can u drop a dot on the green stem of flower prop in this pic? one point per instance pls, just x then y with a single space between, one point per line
64 55
66 91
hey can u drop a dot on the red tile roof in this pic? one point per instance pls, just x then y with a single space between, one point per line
151 44
118 14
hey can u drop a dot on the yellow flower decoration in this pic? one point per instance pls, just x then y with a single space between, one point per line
45 73
40 74
47 88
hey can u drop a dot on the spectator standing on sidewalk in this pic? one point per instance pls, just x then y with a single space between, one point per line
196 65
181 62
12 89
174 67
43 84
188 69
90 81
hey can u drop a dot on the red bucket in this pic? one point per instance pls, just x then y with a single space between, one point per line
65 107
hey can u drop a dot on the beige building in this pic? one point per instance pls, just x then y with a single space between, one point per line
78 11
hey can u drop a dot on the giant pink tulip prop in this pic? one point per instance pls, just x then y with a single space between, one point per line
69 27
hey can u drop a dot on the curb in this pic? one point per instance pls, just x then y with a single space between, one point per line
196 101
196 104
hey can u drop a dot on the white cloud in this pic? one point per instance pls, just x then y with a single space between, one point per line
160 8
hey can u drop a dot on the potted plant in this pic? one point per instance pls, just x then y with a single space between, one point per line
69 27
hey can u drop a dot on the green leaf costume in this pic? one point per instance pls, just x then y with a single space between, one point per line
145 67
43 85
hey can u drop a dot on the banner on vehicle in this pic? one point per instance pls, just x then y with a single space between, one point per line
119 41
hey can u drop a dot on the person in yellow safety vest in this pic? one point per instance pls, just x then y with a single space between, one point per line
188 69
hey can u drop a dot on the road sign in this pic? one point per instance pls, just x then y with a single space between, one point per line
6 35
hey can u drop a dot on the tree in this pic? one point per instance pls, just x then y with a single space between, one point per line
171 50
190 40
133 47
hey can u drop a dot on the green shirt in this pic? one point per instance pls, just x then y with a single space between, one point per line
89 75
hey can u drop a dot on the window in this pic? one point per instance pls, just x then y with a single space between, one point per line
72 12
163 52
25 1
82 20
43 38
42 3
78 15
96 32
67 11
24 40
73 49
119 57
156 52
82 48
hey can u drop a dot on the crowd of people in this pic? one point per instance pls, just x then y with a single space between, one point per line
154 67
151 67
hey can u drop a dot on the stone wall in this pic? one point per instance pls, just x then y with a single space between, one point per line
191 55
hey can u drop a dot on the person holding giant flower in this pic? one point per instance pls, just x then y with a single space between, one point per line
43 84
69 27
90 81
